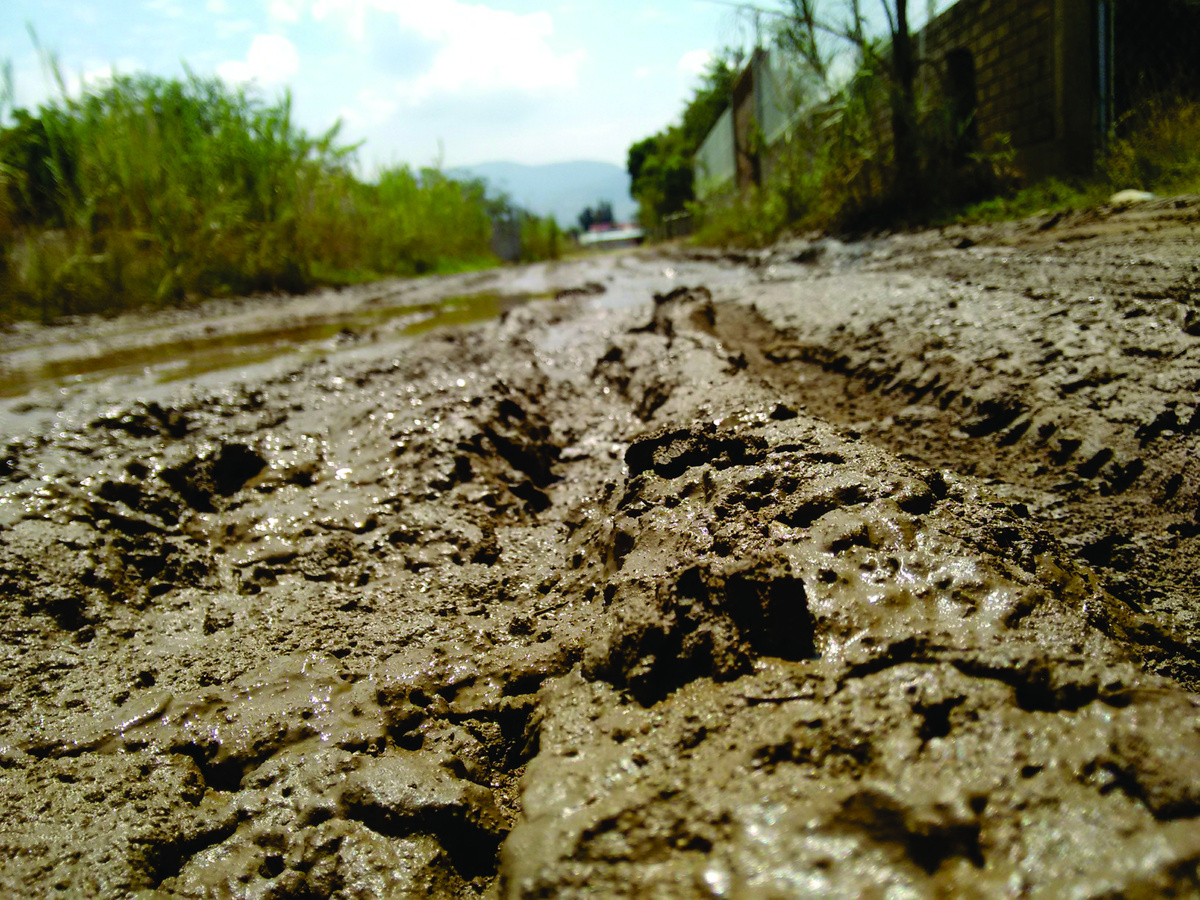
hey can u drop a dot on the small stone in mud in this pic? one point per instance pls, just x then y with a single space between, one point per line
487 550
8 465
325 560
521 625
216 619
1191 323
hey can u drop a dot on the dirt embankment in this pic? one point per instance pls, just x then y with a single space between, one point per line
834 570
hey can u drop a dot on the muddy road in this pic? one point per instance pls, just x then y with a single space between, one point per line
836 570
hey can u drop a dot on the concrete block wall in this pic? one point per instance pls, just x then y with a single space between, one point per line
1033 75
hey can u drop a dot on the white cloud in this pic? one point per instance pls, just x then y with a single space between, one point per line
475 49
217 7
97 74
372 106
171 8
694 62
94 76
286 10
227 28
35 85
272 59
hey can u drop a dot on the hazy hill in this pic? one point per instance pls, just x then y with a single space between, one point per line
562 190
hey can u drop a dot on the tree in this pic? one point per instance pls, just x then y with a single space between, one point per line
660 166
817 37
905 154
602 214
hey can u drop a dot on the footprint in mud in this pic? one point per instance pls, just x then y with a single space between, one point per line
150 420
669 452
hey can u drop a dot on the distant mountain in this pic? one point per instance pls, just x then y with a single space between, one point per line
562 190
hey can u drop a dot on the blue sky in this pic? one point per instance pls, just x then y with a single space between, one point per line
469 80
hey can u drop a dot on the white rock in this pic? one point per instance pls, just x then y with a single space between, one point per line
1129 197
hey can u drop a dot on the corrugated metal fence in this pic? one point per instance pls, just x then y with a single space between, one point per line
716 162
775 110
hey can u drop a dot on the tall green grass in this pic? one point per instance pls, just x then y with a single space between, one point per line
404 222
153 191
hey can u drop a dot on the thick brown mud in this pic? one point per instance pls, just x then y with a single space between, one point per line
837 570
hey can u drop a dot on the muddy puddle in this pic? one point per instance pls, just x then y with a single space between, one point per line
304 335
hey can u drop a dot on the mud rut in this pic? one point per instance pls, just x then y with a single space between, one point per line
833 570
1075 487
1095 443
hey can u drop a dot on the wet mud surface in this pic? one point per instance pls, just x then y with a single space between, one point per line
836 570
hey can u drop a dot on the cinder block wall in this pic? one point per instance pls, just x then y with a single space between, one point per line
1034 64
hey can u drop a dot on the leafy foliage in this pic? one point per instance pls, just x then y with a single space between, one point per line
870 144
540 238
878 141
1154 150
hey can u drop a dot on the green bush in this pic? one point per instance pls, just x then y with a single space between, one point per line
540 239
1153 149
837 169
1156 148
753 218
834 170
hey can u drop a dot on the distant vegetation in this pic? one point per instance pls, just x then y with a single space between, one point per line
540 237
600 214
559 190
155 191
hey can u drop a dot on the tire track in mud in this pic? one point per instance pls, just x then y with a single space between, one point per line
355 757
1120 495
